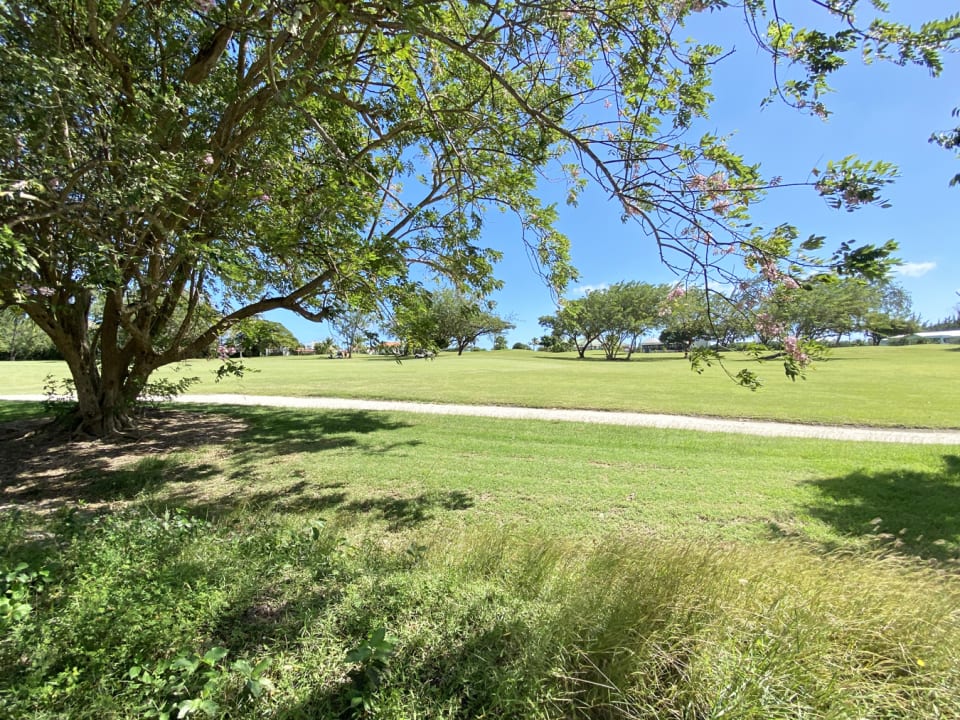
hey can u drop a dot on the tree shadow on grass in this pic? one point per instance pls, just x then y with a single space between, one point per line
42 470
402 513
283 432
911 513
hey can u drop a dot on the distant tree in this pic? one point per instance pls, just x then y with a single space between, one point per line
551 343
947 323
447 319
627 311
256 336
352 326
686 318
892 316
21 339
578 322
462 319
820 310
324 347
499 342
520 346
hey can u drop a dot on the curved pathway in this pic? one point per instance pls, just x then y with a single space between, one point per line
603 417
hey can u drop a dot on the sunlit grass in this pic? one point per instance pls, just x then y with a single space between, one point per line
885 386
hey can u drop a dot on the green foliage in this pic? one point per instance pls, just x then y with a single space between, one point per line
447 318
486 621
18 586
21 339
165 389
192 684
324 346
371 669
256 336
949 140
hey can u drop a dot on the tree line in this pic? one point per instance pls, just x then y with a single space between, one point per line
617 317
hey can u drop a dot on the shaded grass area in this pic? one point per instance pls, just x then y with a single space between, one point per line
886 386
395 472
397 566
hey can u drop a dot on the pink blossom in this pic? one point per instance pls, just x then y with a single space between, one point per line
206 6
265 198
770 271
718 182
678 292
720 207
790 283
208 159
767 326
792 347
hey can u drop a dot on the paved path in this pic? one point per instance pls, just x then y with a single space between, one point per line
672 422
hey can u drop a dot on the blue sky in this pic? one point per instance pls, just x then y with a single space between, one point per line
880 112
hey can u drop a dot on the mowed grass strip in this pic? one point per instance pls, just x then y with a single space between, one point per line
884 386
400 473
469 567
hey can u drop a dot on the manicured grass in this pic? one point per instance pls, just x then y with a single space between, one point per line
886 386
484 568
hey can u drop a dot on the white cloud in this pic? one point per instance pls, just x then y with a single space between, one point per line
584 289
915 269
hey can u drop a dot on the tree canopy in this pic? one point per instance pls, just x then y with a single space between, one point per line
447 318
258 336
160 159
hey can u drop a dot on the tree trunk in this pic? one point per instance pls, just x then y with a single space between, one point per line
104 405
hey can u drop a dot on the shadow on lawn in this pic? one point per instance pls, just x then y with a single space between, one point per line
911 513
41 469
283 432
175 457
275 433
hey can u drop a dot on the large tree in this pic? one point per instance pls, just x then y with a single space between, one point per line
893 315
248 155
258 336
824 309
448 318
579 322
630 309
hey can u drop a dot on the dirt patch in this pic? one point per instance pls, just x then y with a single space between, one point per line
42 470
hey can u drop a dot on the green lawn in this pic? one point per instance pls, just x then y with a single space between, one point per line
912 386
255 562
401 565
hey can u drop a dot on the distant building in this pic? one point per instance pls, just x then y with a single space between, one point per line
937 336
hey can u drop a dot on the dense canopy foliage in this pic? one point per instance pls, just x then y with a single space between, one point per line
160 160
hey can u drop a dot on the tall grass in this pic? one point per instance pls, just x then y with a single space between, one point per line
667 630
489 622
